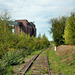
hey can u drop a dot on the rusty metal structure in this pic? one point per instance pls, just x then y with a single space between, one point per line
26 27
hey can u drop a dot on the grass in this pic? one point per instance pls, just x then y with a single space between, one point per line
28 73
41 69
33 53
44 71
30 56
59 67
8 71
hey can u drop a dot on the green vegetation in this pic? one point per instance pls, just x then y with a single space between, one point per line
33 53
69 33
44 71
40 67
5 31
57 29
63 30
28 73
14 48
58 67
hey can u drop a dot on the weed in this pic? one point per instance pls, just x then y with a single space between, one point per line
44 71
66 56
7 71
61 68
28 73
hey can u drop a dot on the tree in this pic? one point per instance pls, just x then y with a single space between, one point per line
5 16
58 26
5 33
69 33
45 42
39 36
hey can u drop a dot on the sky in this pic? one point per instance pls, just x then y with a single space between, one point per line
38 11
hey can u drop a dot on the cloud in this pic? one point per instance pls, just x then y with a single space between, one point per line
39 11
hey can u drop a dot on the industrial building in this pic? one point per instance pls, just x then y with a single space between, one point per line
26 27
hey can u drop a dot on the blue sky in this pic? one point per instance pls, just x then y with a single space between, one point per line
39 11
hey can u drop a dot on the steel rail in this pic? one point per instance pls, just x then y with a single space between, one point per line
32 62
48 64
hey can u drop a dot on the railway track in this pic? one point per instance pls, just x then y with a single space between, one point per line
34 59
48 64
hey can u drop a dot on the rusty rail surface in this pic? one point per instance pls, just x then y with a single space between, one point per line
48 64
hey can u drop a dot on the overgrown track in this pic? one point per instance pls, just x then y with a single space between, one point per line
48 64
34 58
32 62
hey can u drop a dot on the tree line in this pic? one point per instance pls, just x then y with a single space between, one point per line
63 30
14 48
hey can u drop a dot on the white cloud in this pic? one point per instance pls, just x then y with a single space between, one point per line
39 11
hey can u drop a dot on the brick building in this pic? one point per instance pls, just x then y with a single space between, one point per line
25 26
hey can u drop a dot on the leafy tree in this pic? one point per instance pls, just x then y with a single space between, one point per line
39 36
69 33
5 33
58 26
45 42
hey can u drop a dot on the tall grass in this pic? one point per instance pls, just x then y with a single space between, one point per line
59 67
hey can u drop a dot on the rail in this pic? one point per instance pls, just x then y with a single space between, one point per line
34 58
32 62
48 64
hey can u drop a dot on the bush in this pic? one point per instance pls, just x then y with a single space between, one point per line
12 58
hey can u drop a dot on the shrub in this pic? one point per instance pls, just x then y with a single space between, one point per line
12 58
